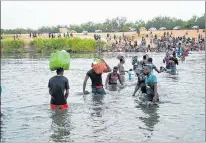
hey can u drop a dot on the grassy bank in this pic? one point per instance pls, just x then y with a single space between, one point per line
9 46
41 45
69 44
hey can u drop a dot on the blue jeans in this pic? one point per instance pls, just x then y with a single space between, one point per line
98 90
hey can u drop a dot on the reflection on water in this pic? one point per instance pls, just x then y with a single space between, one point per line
114 117
1 130
152 117
97 105
60 126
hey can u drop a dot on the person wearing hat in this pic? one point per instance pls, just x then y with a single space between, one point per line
112 79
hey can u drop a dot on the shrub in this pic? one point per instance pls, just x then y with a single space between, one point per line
69 44
12 46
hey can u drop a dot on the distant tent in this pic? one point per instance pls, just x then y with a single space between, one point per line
163 28
176 28
98 31
195 27
142 29
152 29
132 29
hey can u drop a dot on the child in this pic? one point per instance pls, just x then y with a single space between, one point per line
130 74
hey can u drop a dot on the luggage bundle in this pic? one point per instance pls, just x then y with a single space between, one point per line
99 66
60 59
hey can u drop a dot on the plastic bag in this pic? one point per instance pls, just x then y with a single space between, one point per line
99 66
60 59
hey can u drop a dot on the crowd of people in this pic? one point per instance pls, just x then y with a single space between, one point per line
115 81
159 44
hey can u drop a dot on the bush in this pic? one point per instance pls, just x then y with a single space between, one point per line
52 45
69 44
12 46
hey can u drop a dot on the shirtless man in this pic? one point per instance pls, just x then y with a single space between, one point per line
166 60
173 61
121 70
144 61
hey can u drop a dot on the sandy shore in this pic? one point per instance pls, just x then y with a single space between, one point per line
159 33
176 33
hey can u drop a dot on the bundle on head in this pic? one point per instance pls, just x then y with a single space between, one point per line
99 66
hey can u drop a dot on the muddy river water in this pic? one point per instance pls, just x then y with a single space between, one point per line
116 117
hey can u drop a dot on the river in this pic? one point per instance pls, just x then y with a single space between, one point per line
117 117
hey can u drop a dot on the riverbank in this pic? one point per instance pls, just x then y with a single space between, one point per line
50 45
78 43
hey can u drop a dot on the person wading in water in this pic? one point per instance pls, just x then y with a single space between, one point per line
112 79
59 90
97 86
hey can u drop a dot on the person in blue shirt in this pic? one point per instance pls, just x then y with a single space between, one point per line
179 51
149 61
151 84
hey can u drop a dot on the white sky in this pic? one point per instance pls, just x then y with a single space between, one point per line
34 14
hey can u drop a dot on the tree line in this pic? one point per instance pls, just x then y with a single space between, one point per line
118 24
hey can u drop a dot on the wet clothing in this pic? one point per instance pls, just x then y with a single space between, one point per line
112 81
98 90
152 66
97 86
122 68
122 78
143 62
174 59
173 66
150 81
113 77
57 86
54 107
130 75
185 53
139 69
135 64
141 82
179 52
95 78
122 74
166 59
112 87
